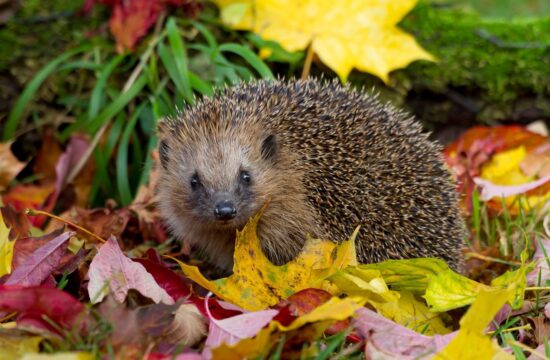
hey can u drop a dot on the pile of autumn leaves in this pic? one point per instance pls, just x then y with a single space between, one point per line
79 294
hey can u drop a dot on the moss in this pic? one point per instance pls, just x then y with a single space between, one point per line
40 30
494 64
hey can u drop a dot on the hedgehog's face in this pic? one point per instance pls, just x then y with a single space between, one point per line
215 182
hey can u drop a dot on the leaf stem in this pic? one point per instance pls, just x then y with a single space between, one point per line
307 62
523 327
532 288
33 212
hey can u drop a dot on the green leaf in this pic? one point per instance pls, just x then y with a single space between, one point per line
98 93
122 179
117 105
409 274
449 290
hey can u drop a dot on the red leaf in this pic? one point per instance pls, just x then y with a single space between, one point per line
131 20
174 284
305 301
36 302
42 263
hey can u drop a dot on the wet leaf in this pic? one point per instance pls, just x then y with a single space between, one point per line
346 35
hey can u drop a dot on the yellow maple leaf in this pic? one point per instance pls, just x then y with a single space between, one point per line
345 35
256 283
471 342
6 248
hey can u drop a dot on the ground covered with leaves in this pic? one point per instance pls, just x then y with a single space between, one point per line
76 284
87 270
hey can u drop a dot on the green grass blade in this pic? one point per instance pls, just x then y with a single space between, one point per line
31 88
98 92
122 179
180 58
171 68
207 34
117 105
200 86
250 57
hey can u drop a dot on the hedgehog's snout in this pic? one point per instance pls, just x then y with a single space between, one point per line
225 210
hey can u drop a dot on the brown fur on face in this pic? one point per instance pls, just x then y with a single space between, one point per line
217 150
325 157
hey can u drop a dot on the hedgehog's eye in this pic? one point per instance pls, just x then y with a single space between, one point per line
195 182
245 177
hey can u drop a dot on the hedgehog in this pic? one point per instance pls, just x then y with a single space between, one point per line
326 158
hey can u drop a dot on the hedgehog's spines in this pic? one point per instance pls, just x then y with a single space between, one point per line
344 159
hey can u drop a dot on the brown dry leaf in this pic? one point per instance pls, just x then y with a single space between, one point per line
9 165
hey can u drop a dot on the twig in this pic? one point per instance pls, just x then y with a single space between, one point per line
491 259
348 351
32 212
526 348
523 327
484 34
307 62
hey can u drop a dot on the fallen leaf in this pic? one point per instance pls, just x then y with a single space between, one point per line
470 341
542 264
6 248
408 274
77 147
131 20
14 345
76 355
35 303
256 283
232 330
17 222
475 148
23 197
174 284
9 165
42 263
319 318
345 35
112 270
386 339
449 290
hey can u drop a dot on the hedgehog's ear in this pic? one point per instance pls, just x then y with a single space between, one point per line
269 148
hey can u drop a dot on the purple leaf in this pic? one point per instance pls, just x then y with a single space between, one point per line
111 269
232 330
388 340
541 264
41 263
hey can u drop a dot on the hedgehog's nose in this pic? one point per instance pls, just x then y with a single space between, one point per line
225 210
